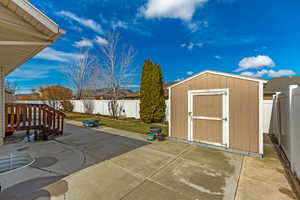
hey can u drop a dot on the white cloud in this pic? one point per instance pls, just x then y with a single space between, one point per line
251 74
83 21
195 26
191 45
260 48
132 25
282 72
177 9
269 73
255 63
119 24
55 55
189 73
179 79
257 74
83 43
217 57
28 74
100 40
75 28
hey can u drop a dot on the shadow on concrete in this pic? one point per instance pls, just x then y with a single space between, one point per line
97 145
94 145
46 161
31 189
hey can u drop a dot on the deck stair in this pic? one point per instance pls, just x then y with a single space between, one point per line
20 117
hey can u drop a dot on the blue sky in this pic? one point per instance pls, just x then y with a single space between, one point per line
259 38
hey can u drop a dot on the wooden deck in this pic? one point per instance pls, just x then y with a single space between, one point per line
33 117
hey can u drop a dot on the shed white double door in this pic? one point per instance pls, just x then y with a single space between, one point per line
208 119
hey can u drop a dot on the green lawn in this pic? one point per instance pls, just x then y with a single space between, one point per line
134 125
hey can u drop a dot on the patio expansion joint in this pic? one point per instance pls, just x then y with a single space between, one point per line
158 152
127 170
148 178
172 160
240 174
46 170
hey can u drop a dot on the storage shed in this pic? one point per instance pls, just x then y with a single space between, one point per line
219 110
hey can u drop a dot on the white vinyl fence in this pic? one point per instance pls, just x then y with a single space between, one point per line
267 112
130 108
285 125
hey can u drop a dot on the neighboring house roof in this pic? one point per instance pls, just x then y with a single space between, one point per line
220 73
168 84
25 31
166 87
133 95
136 95
9 91
280 84
29 96
105 93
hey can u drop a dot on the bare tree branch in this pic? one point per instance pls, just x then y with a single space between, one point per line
82 73
117 68
12 86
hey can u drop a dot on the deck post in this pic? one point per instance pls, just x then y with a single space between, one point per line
2 105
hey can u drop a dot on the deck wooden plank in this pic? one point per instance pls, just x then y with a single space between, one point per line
33 117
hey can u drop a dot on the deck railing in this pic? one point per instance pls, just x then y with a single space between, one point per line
33 117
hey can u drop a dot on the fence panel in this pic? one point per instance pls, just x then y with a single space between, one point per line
285 125
295 127
267 111
284 114
130 108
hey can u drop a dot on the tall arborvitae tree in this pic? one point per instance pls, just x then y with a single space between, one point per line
159 104
145 92
152 105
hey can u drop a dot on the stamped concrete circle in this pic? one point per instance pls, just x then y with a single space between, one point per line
46 161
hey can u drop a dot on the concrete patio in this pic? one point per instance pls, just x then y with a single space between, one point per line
89 164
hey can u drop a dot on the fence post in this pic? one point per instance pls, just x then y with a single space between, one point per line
292 132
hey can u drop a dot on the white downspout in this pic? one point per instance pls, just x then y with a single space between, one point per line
2 105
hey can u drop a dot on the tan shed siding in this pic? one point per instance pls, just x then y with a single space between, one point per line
2 131
179 111
243 108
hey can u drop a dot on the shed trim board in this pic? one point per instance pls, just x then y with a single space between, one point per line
247 153
224 119
169 113
219 73
255 93
261 118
